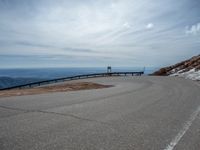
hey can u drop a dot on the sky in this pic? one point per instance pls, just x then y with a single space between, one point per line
97 33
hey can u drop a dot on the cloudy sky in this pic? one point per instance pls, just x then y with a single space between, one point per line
82 33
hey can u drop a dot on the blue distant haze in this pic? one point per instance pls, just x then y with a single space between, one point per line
51 73
13 77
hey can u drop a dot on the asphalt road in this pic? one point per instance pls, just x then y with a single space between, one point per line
138 113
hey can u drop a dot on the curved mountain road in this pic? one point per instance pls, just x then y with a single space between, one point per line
140 113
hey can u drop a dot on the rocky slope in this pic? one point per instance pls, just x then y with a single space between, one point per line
188 69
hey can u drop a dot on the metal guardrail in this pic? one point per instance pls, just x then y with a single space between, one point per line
35 84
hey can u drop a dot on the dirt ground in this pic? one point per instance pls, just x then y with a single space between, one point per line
53 88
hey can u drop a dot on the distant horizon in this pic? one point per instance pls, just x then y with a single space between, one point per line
53 67
52 73
75 67
41 67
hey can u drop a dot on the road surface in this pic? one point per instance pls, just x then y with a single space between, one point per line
138 113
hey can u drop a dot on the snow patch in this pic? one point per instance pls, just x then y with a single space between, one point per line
191 74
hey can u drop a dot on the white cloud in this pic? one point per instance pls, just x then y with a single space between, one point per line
106 27
126 25
150 26
194 29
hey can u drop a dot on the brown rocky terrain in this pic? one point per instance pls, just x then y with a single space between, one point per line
53 88
184 66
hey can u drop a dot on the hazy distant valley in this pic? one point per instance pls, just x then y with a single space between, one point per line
8 81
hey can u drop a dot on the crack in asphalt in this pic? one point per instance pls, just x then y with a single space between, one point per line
73 116
11 108
50 112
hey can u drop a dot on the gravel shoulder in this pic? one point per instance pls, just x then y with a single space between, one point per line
66 87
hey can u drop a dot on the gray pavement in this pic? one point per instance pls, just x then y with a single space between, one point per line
138 113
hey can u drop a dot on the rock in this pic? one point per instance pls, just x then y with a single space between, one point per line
185 66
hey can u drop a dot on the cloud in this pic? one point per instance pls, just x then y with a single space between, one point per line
150 26
32 44
95 29
194 29
78 50
126 25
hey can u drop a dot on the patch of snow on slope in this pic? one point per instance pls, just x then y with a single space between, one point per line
191 74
